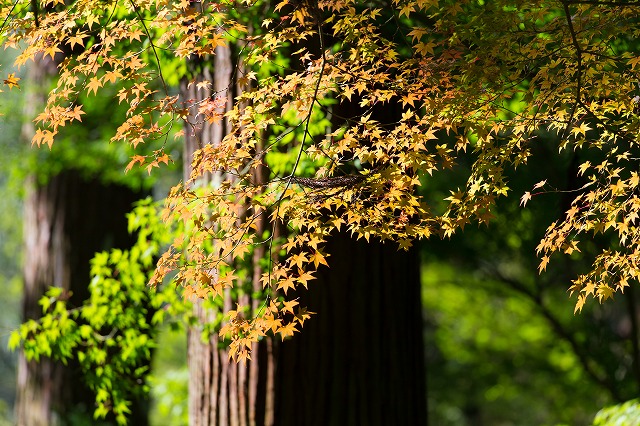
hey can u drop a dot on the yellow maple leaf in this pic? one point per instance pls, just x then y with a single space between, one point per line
604 292
288 305
543 263
52 50
135 159
77 38
304 277
12 81
318 258
582 299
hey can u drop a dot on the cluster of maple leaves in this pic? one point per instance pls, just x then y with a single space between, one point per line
474 80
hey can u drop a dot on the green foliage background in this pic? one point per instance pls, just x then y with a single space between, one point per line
10 241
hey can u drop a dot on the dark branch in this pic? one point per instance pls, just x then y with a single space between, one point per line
574 40
331 182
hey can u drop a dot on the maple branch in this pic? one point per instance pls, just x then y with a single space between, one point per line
627 138
6 19
574 40
153 46
330 182
316 89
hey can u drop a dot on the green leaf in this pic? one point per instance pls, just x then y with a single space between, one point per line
14 340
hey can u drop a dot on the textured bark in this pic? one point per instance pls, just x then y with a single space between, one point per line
220 392
66 221
210 376
360 360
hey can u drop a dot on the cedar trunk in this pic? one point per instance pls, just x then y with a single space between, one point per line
66 220
359 361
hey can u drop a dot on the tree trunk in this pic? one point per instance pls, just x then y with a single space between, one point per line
360 359
223 392
66 220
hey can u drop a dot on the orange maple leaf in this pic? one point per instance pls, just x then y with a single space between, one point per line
94 84
286 284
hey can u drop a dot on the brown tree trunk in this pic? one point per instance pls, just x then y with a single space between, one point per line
360 359
66 220
223 392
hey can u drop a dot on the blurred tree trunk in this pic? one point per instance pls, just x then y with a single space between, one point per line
66 220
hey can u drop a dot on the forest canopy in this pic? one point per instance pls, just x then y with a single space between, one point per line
338 115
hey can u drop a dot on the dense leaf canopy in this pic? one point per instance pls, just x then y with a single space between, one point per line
478 85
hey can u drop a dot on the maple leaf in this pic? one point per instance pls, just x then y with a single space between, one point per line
584 167
405 244
407 9
589 289
290 244
347 92
93 85
43 136
582 299
604 292
299 259
302 315
286 284
425 48
622 284
318 258
540 184
52 50
76 113
112 76
289 305
287 330
135 159
164 158
581 130
304 277
12 81
543 263
77 38
417 33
